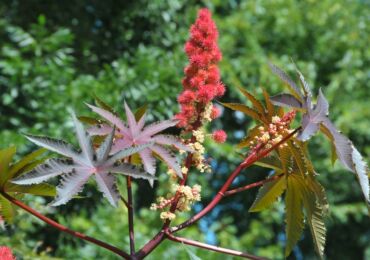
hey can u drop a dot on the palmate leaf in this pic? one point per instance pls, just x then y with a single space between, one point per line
315 118
268 194
81 166
136 133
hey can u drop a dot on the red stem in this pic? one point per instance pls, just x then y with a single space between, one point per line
252 158
63 228
130 216
212 248
252 185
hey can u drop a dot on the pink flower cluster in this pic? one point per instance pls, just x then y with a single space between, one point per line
6 253
202 77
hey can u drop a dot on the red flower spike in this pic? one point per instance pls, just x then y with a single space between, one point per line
202 77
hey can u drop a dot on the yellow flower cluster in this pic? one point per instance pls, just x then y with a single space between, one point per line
166 215
206 115
198 148
187 196
273 133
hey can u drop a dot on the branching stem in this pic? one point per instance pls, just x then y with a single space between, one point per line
212 248
63 228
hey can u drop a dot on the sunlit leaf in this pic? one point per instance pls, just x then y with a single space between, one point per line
255 102
294 214
268 194
6 156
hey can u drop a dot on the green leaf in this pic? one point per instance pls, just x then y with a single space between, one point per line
268 194
294 214
6 156
30 166
299 157
255 102
326 132
285 158
270 162
246 110
140 112
314 215
89 120
42 189
102 104
6 209
26 160
269 105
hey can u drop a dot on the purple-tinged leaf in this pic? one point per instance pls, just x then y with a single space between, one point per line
313 117
120 144
127 152
157 127
83 139
141 122
343 146
306 87
321 110
361 170
308 128
132 125
52 168
70 185
111 118
169 158
148 161
286 100
130 170
350 157
107 185
171 140
55 145
100 129
105 148
284 77
138 134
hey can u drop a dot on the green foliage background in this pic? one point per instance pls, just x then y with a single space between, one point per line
55 55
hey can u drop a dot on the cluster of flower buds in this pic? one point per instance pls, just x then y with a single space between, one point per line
275 132
198 148
6 253
187 196
202 77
